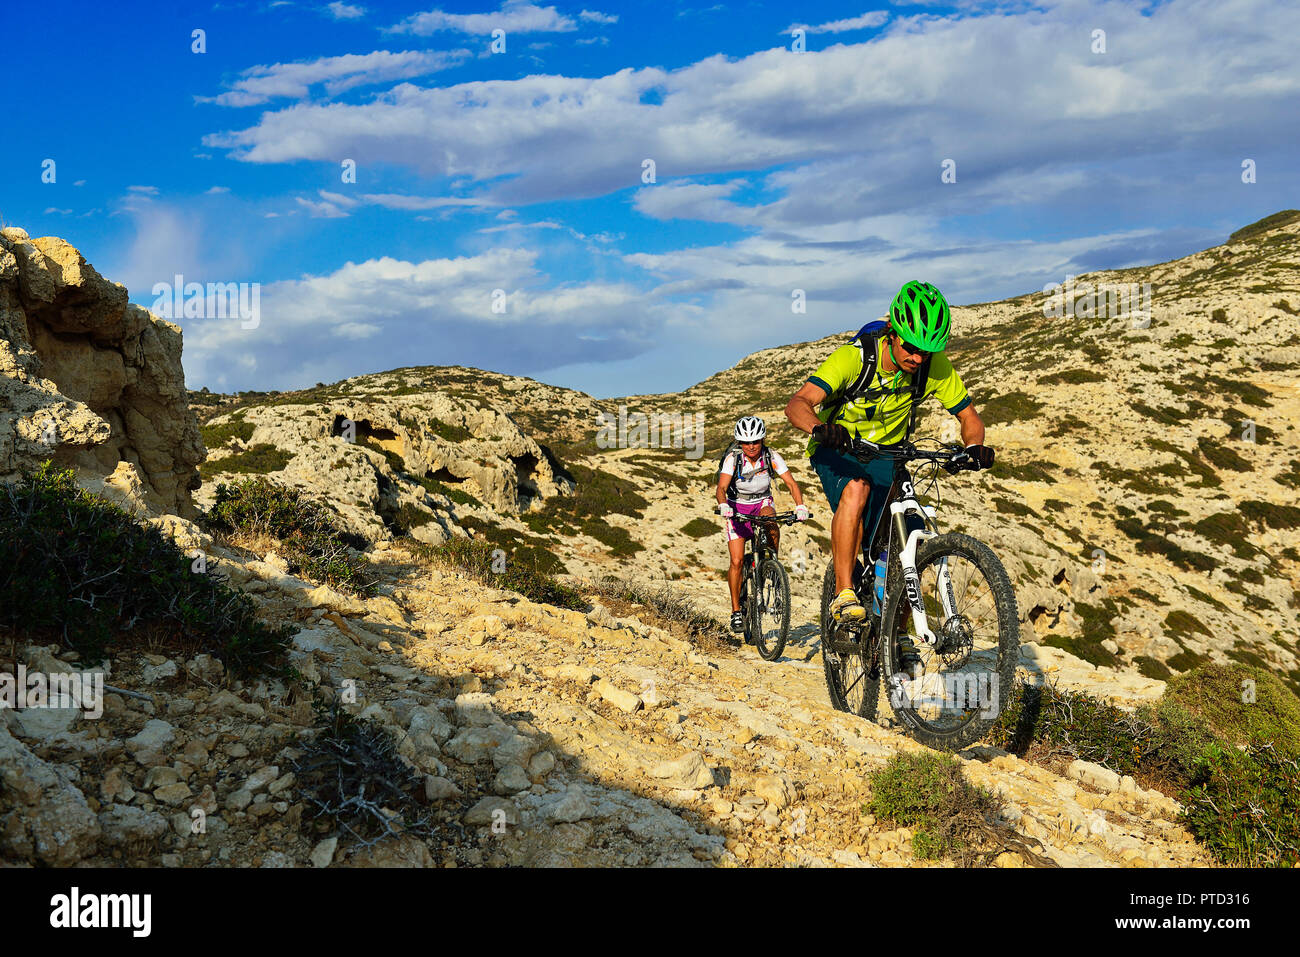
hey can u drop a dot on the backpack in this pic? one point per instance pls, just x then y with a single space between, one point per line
867 340
765 456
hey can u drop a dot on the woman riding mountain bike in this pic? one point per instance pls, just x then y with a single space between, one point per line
745 488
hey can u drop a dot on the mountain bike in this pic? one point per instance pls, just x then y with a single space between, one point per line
765 587
946 593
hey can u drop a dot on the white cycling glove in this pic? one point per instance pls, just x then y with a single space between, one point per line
801 512
725 510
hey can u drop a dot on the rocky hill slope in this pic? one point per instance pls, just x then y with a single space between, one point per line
612 735
1141 503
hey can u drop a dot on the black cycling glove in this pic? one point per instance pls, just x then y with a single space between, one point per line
832 435
981 457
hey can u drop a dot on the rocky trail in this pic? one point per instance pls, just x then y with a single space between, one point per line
548 737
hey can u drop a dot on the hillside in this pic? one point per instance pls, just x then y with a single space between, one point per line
603 716
1141 529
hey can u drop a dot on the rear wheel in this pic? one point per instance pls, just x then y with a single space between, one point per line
771 603
968 675
847 682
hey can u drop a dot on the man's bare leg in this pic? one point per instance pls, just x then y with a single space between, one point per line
846 531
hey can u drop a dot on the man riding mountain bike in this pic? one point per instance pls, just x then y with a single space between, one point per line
879 407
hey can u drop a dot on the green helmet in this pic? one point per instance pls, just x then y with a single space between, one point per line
919 314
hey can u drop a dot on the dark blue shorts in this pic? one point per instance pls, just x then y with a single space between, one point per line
837 469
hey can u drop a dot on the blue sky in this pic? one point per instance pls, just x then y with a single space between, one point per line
522 170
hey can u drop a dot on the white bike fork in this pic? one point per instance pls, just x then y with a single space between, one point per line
907 561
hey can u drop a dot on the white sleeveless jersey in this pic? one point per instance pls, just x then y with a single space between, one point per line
753 482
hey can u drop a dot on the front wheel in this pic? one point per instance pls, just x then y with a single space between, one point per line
970 605
771 604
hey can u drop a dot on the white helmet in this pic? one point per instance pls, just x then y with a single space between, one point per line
750 428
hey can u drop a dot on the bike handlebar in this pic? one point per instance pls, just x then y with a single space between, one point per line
787 518
905 451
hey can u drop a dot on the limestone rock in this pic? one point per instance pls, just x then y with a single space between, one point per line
492 811
322 854
91 381
687 772
43 817
568 807
122 825
1094 775
152 745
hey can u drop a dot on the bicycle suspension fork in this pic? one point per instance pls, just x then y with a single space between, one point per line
910 533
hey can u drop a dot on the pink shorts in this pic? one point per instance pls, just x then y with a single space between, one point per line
733 529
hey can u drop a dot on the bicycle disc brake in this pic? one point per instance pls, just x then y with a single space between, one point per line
956 641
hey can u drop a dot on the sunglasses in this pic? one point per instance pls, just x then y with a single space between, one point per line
912 350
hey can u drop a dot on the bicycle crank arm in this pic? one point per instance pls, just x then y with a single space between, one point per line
845 641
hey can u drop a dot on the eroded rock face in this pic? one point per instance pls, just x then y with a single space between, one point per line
351 454
91 381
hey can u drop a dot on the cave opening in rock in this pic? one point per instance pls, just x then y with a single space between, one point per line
444 476
364 429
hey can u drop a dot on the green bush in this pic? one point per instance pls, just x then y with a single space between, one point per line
1228 752
452 433
1247 808
1152 668
518 546
1071 377
1221 455
1264 225
1012 407
1063 722
1179 622
313 544
928 792
700 528
1096 627
1007 507
216 436
260 459
481 560
1151 542
596 496
1268 515
1217 694
78 570
451 491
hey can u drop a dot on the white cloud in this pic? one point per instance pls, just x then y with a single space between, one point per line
345 11
216 190
321 210
332 205
985 99
260 84
514 16
143 190
440 311
595 16
868 20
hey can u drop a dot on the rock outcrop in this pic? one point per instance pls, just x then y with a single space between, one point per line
408 462
91 381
